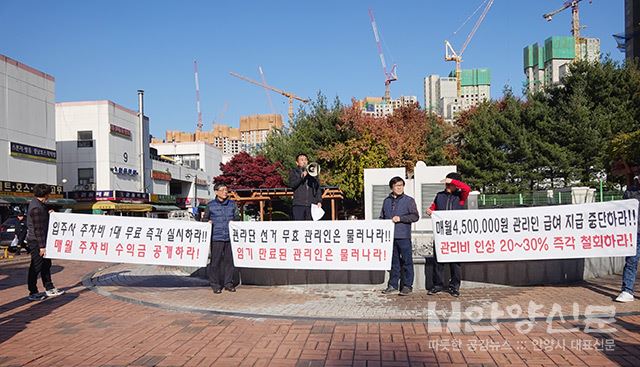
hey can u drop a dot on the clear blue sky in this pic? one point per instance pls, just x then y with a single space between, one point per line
109 49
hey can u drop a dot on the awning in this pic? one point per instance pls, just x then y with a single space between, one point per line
15 199
4 203
61 201
121 207
109 205
164 208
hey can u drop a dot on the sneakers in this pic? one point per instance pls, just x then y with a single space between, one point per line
36 297
625 297
229 288
454 292
434 290
389 290
405 291
54 292
217 290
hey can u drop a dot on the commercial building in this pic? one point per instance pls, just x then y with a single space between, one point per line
441 93
107 163
249 137
378 107
546 65
185 170
27 133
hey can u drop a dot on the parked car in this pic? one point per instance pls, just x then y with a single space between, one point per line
8 231
181 215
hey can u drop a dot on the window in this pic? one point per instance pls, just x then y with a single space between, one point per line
85 177
85 139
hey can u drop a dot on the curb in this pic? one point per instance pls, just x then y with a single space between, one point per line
87 282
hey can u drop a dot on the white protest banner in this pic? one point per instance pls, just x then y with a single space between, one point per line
550 232
128 240
330 245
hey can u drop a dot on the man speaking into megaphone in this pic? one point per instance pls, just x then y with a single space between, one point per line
306 187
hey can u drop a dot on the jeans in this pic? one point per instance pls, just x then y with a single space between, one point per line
220 269
631 269
402 257
39 265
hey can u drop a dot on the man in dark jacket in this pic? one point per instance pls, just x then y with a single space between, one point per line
402 210
631 262
453 197
306 189
220 211
37 228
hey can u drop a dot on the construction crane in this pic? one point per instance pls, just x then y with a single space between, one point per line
451 55
389 76
266 91
195 71
289 95
575 22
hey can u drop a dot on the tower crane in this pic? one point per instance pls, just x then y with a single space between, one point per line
289 95
389 76
575 22
195 72
451 55
266 91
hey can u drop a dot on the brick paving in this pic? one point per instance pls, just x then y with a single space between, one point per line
86 328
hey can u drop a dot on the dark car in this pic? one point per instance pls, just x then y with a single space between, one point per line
8 231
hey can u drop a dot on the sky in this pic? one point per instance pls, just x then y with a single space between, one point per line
109 49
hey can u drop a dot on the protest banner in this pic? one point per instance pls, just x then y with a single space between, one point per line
329 245
550 232
128 240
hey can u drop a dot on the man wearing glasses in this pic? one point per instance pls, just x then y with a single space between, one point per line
220 211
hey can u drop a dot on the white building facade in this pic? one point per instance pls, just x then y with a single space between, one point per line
441 93
27 125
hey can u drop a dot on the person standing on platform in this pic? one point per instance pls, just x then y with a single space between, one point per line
306 189
220 211
37 229
453 197
402 210
631 262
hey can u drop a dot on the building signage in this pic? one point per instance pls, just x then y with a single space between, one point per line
161 175
120 131
124 196
10 188
162 199
124 171
80 196
31 152
201 182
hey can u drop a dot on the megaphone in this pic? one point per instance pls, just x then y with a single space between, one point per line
313 169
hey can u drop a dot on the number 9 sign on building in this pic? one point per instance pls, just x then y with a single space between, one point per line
538 233
128 240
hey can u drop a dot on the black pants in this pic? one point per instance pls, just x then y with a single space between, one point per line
220 269
39 265
301 212
438 274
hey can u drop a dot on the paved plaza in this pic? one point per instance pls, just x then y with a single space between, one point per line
124 314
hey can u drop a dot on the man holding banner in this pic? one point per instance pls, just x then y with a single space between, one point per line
402 211
453 197
631 262
220 211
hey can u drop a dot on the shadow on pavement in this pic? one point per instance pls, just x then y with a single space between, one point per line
15 323
17 275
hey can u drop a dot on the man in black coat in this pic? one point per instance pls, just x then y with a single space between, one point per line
306 189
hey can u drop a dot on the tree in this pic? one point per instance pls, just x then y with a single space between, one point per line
246 172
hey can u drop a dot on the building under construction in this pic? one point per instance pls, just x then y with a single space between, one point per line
545 65
441 93
249 137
